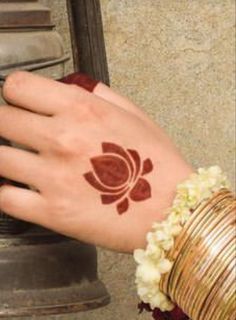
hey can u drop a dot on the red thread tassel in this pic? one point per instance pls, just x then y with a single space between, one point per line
175 314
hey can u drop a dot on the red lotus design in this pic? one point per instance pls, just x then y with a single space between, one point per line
118 175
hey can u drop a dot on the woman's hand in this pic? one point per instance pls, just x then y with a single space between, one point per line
99 170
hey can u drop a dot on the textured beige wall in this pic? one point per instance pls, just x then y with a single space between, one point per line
176 59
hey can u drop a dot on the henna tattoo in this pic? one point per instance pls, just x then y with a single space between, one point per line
118 174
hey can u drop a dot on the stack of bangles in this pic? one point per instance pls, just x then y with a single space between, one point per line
189 260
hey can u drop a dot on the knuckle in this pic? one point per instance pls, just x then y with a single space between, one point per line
92 111
85 105
78 97
97 111
12 82
47 136
63 143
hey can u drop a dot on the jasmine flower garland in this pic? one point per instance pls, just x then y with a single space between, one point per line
152 262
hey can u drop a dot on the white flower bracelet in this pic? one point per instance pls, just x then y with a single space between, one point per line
152 262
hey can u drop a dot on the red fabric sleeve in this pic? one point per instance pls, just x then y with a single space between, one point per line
82 80
175 314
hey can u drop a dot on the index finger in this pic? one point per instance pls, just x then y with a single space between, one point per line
38 94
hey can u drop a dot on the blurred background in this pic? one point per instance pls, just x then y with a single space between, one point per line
176 60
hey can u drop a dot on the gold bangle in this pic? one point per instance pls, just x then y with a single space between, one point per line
212 311
223 193
176 254
203 297
180 293
180 241
231 305
189 266
215 269
176 271
210 226
204 268
199 218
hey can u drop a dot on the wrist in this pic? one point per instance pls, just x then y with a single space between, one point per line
164 194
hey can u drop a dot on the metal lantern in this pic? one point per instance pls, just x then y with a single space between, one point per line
41 272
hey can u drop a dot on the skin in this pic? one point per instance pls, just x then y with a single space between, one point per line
63 127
